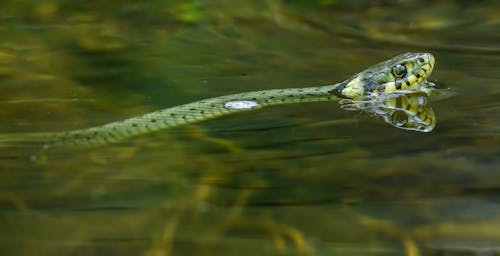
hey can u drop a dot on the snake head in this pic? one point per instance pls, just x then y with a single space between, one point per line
407 71
396 90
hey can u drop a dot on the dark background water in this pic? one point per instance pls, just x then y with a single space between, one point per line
306 179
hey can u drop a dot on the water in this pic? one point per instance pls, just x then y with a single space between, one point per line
307 179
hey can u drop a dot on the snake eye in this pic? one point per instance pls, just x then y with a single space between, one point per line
399 71
421 60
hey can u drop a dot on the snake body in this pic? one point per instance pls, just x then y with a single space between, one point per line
190 113
372 89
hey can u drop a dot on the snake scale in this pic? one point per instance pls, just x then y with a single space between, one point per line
395 89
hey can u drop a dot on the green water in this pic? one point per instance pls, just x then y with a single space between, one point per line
306 179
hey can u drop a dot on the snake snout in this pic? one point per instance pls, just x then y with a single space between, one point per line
430 59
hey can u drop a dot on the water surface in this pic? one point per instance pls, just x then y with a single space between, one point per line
307 179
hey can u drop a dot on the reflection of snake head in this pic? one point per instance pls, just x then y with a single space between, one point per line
410 112
396 90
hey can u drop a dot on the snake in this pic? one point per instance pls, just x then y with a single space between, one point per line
395 90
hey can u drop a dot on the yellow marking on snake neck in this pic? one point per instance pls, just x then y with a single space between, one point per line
354 89
390 86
